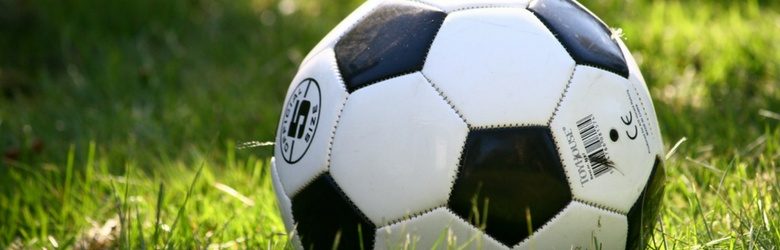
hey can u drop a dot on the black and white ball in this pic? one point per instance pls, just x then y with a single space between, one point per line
490 124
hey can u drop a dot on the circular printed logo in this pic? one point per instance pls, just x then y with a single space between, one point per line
299 121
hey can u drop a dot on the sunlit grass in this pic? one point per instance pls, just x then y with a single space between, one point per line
226 203
108 110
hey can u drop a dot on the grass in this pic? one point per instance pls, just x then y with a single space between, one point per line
128 113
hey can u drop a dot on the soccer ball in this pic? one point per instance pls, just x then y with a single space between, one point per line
490 124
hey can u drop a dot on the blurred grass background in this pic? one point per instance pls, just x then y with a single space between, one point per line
109 109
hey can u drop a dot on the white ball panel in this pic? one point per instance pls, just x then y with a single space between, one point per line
576 227
285 206
643 94
312 159
439 227
456 5
522 71
396 148
337 32
597 102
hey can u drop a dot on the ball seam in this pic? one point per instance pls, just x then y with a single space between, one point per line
543 226
599 206
507 125
393 76
472 227
463 145
409 216
447 100
352 204
489 6
554 135
332 137
346 30
430 5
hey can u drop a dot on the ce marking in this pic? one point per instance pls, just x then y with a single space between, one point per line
628 120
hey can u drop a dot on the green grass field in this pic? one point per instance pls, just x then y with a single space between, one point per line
122 122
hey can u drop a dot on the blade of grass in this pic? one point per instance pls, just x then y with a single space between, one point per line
674 148
119 207
663 232
360 236
528 221
220 230
89 171
701 211
336 241
125 223
158 211
140 229
184 205
68 179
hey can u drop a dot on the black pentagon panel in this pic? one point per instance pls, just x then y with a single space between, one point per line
644 212
391 41
585 37
510 170
322 211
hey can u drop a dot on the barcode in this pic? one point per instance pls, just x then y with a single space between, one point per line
594 146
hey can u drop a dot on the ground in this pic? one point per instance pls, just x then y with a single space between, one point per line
131 123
